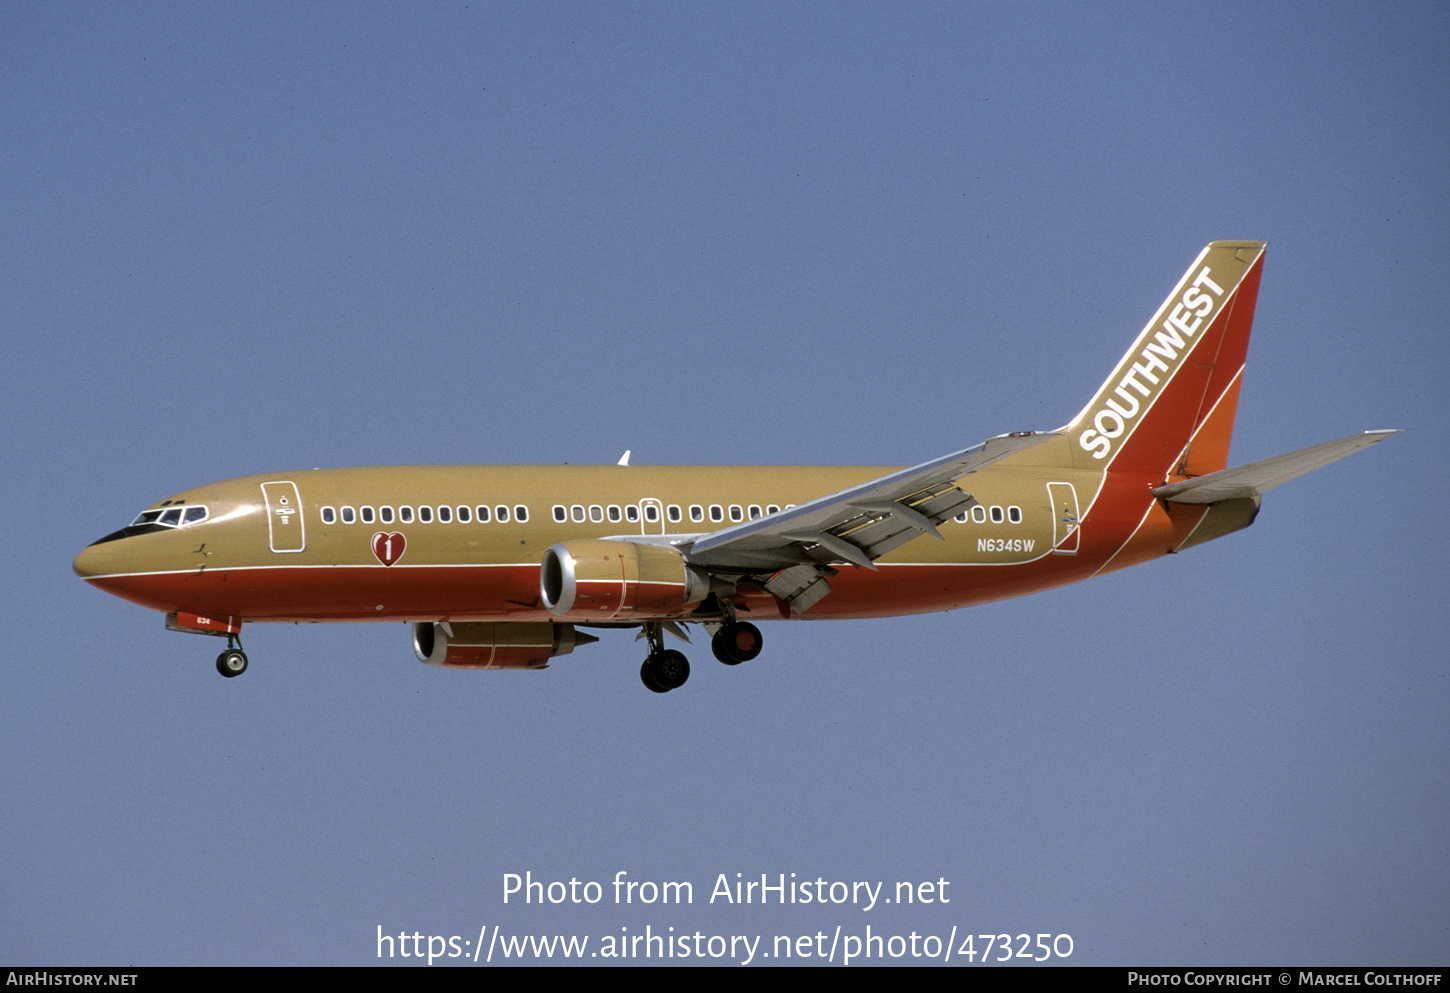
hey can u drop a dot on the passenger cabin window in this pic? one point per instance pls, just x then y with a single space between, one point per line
596 513
736 514
501 514
561 513
614 514
328 515
348 515
367 515
996 515
1014 514
754 511
521 514
445 515
481 513
631 514
464 515
673 512
697 513
651 513
717 513
772 509
425 515
979 514
576 513
385 514
405 514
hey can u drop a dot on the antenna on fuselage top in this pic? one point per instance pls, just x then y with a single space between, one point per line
624 459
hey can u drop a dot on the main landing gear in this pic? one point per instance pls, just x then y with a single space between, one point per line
665 669
736 642
233 661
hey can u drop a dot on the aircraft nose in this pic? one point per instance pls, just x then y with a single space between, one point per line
93 561
118 567
87 563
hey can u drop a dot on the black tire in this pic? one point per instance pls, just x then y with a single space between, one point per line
736 643
231 663
669 670
647 677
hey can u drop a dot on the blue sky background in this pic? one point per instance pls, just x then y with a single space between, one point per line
252 238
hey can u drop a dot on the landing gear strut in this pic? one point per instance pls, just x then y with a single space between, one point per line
664 669
233 661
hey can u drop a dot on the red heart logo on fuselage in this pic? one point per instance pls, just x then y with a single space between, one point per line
389 546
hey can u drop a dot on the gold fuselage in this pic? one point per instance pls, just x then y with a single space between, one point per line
254 559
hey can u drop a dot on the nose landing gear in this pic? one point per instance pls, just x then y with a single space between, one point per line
232 662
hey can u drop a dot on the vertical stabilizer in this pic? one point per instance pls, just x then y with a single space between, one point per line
1168 408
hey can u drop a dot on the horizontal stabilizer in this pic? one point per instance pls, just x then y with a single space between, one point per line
1256 477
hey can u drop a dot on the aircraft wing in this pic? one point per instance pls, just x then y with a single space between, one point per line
1255 478
856 525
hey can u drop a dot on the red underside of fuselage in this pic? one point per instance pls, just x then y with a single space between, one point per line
303 594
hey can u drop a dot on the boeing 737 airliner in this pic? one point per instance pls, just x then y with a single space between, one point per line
506 567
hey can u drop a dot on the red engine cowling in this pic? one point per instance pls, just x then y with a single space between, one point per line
603 580
495 644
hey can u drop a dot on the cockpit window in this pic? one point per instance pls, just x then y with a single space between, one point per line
149 521
172 517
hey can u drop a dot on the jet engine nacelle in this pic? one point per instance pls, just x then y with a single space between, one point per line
605 580
495 644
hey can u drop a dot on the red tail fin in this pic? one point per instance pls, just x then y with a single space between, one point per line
1168 408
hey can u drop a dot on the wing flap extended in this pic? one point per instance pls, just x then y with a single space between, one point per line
857 525
1257 477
